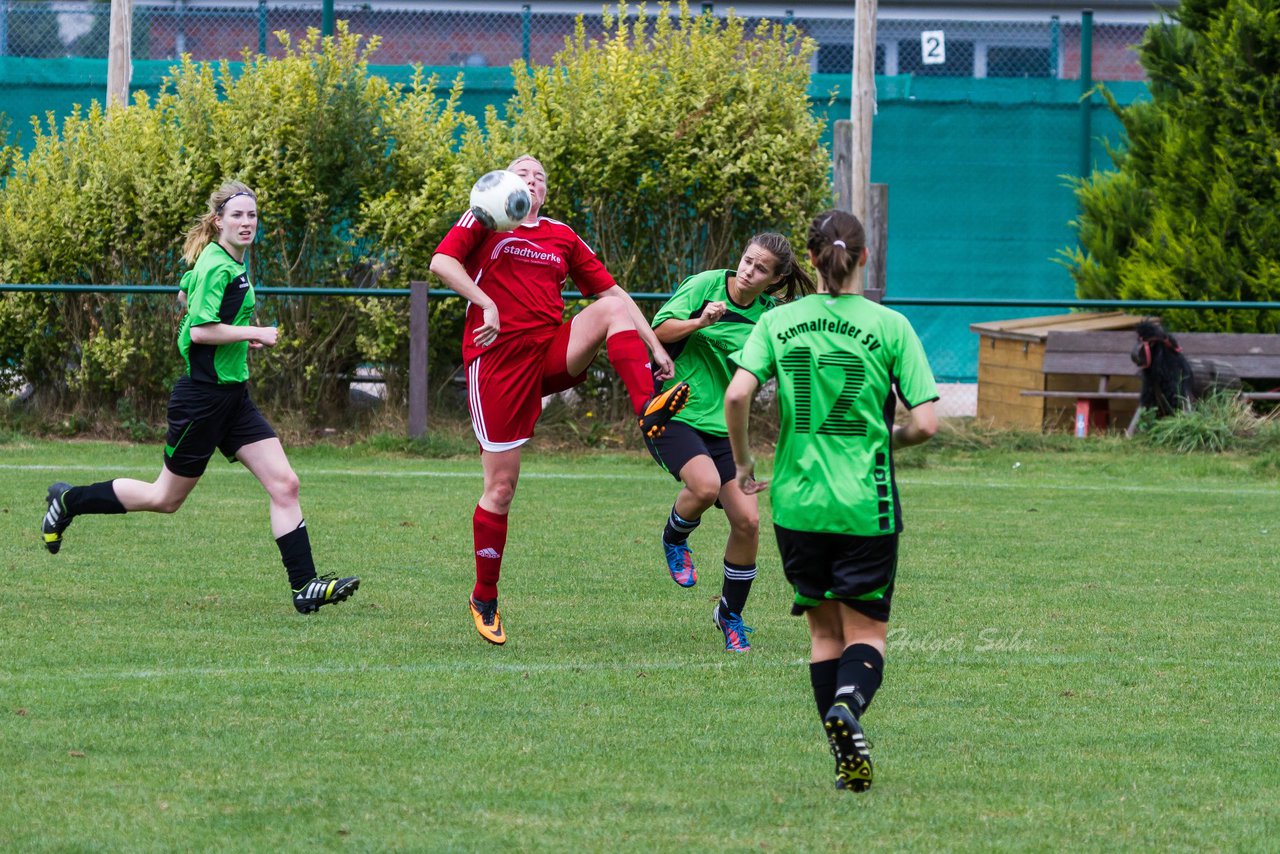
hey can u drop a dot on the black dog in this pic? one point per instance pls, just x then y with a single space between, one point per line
1167 379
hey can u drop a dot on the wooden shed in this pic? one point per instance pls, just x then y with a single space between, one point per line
1011 360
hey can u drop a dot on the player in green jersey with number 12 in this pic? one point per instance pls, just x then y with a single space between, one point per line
839 359
708 317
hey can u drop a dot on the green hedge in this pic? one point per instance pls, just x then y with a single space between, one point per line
359 178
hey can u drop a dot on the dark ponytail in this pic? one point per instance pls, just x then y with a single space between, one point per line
793 281
836 241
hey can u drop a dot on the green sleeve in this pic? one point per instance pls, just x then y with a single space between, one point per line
912 372
204 296
687 299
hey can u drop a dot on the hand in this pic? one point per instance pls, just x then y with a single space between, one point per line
711 312
267 337
664 368
182 299
746 479
487 332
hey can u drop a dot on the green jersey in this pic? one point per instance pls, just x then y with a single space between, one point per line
837 360
218 291
702 359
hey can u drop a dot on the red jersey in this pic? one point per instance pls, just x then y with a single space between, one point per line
523 272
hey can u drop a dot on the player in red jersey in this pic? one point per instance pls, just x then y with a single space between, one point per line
517 348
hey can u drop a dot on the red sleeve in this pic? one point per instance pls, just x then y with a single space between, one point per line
588 273
467 233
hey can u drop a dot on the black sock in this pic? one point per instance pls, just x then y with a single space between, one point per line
295 551
97 498
737 586
861 669
678 529
822 675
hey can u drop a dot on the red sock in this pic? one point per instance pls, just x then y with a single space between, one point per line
630 359
490 533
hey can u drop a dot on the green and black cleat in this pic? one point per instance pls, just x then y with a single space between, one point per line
849 746
324 590
56 518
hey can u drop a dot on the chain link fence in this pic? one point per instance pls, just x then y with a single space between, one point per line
460 35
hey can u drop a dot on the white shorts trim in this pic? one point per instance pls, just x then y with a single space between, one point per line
477 413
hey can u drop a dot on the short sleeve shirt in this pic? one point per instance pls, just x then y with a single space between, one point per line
837 360
702 359
523 272
218 291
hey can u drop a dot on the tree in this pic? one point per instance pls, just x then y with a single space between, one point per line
1191 211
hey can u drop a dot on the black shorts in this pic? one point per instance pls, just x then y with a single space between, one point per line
204 417
680 443
858 571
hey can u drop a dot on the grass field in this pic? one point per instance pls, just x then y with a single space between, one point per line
1084 655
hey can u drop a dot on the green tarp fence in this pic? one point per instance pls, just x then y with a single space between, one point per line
976 169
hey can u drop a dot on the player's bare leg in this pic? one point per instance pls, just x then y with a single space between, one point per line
267 461
743 513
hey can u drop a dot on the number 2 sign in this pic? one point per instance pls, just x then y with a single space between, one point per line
933 48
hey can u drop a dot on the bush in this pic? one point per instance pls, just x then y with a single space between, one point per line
670 141
1192 211
358 180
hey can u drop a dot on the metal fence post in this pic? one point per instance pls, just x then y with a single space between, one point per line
526 30
1055 47
1086 83
418 316
262 26
326 18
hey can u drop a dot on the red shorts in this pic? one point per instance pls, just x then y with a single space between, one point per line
506 384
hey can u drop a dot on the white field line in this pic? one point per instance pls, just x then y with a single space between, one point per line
1026 482
756 662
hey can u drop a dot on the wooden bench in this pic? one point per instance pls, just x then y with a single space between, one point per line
1254 357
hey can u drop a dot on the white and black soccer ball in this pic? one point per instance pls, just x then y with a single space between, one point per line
500 200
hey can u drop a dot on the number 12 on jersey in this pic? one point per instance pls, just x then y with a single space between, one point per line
800 366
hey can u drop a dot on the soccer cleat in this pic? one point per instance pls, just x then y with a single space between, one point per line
324 590
661 407
680 563
735 633
488 620
850 748
56 518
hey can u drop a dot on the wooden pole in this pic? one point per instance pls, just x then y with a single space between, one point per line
877 227
119 60
876 221
418 316
862 107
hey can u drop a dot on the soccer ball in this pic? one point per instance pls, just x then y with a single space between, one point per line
500 200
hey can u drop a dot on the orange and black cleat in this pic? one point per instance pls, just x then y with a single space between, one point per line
488 620
661 408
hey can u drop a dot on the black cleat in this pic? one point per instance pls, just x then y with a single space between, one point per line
660 409
323 591
56 519
849 746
